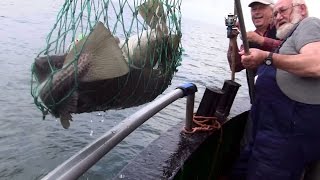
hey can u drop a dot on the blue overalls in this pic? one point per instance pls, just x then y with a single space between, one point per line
286 133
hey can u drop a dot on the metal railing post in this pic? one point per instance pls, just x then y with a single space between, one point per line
189 112
189 91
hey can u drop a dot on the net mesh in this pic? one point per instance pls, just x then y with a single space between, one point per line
80 68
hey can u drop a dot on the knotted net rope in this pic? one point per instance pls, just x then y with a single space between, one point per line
130 23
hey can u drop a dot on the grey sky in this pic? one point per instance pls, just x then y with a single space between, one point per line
214 11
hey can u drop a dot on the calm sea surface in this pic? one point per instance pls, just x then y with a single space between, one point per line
31 147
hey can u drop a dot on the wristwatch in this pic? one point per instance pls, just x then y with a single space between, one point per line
268 60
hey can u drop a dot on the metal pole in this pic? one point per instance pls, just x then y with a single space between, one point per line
75 166
242 27
233 57
250 74
235 47
189 112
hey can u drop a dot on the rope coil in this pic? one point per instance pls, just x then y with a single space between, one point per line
204 124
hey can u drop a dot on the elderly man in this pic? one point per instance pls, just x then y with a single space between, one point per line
264 37
287 105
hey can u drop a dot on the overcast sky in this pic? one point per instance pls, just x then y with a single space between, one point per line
214 11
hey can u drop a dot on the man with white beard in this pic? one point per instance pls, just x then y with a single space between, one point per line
286 110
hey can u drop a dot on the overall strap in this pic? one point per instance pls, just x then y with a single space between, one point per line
288 35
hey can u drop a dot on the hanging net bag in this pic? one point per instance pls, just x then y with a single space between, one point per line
105 54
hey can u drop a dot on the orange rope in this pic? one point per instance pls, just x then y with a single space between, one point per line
204 124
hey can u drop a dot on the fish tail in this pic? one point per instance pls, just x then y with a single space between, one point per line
65 120
153 13
162 24
65 109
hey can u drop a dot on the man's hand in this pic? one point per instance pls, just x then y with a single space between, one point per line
255 37
254 58
234 33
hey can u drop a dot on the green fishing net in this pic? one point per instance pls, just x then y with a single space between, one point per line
107 54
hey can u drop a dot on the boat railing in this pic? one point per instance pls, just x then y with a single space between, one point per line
79 163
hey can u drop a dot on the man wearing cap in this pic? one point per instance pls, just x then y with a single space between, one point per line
264 37
286 109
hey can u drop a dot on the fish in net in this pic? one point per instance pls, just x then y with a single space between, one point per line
103 54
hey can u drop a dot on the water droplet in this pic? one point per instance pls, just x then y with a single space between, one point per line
102 120
91 120
91 132
121 176
99 114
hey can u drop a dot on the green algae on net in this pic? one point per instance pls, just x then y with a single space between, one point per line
104 69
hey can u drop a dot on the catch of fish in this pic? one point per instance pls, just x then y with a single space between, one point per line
100 72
